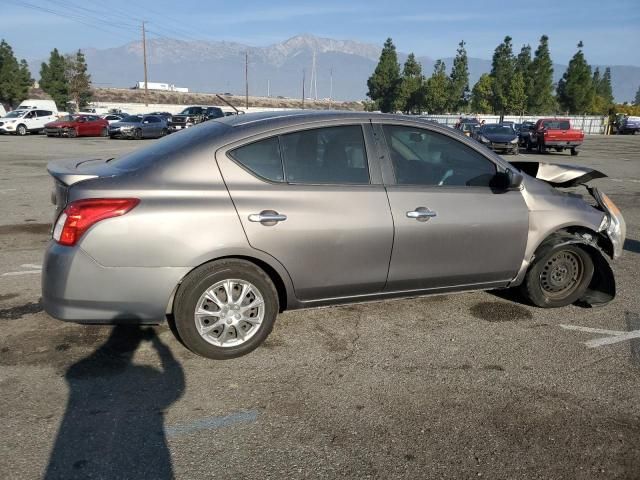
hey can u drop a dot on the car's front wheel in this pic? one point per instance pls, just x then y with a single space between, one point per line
21 130
559 277
225 309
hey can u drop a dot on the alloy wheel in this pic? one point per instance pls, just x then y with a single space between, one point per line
229 313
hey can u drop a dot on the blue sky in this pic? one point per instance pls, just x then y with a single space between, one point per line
610 30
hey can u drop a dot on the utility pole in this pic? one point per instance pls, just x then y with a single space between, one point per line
246 80
330 86
268 88
144 57
303 80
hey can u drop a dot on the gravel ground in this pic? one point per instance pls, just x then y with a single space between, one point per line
452 386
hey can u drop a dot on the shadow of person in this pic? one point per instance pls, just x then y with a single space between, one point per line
113 426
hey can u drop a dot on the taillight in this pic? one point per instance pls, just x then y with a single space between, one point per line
80 215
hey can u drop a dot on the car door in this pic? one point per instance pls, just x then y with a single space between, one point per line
31 120
327 220
42 118
452 230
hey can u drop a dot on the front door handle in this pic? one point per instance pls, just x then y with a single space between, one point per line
422 214
267 217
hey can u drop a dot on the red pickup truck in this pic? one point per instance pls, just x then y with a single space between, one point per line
557 133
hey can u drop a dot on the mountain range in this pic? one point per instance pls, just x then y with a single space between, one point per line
342 67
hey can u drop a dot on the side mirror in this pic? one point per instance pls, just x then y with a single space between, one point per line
146 121
508 180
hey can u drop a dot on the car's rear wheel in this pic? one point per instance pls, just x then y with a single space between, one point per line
225 309
574 152
559 277
104 132
137 134
164 132
21 130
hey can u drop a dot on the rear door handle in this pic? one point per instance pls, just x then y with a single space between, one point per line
267 217
422 214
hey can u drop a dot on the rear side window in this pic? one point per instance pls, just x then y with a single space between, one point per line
556 124
333 155
43 113
262 158
422 157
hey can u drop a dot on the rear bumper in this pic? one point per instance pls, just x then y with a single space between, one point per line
562 143
76 288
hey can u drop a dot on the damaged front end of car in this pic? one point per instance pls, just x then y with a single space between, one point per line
603 243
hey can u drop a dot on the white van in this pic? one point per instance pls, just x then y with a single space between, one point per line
3 112
21 122
32 104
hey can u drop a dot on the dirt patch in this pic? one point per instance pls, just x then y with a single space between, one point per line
15 313
29 228
500 312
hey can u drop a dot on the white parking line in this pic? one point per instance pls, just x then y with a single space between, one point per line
32 268
613 336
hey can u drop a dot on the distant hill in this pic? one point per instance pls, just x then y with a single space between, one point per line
218 66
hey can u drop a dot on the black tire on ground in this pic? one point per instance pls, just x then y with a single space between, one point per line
138 134
541 148
164 132
200 280
559 149
559 277
21 130
72 133
574 152
104 132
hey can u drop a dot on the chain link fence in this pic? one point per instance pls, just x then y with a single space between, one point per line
589 124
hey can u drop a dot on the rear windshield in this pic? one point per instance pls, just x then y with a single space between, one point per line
556 124
172 146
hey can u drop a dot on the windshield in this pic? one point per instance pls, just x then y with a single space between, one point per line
132 119
191 111
16 114
498 129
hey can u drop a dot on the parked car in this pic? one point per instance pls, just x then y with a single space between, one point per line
166 116
628 125
557 133
525 135
21 122
224 225
37 104
114 117
139 127
499 137
189 117
78 125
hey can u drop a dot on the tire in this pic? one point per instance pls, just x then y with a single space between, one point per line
191 296
104 132
72 133
574 152
559 277
21 130
541 148
137 134
164 132
559 149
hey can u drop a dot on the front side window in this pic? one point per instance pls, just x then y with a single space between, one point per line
332 155
422 157
262 158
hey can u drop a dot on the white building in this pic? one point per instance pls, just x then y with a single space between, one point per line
167 87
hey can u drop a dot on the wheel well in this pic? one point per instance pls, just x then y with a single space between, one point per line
268 269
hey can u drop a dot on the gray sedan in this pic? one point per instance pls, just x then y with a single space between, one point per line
220 227
139 127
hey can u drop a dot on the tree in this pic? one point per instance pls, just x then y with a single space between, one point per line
517 95
481 95
541 100
575 89
437 89
604 88
53 79
15 78
411 96
502 71
385 81
459 80
524 66
78 80
637 99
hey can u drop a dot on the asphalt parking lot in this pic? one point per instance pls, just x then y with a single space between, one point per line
452 386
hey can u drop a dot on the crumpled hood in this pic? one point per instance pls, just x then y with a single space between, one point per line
559 175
